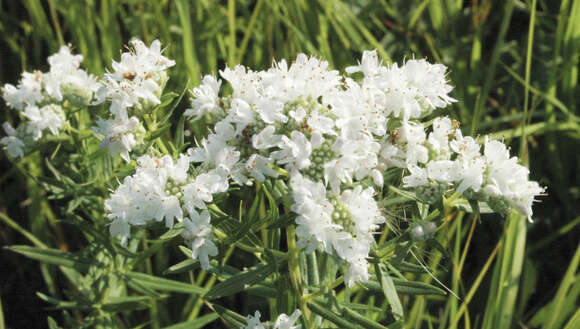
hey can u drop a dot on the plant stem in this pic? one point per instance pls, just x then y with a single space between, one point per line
295 278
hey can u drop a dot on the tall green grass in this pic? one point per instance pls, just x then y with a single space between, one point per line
515 69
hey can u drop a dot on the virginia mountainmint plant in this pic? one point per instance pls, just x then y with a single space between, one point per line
334 145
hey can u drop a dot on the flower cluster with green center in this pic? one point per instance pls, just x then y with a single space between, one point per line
330 136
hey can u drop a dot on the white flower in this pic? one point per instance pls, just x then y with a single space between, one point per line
14 146
257 166
269 110
418 177
369 64
429 79
401 99
241 114
266 138
245 84
377 177
198 234
358 156
439 138
151 56
136 80
358 271
409 91
287 322
307 77
471 174
355 246
212 145
314 221
202 189
466 147
120 136
443 171
294 151
506 178
359 109
49 117
321 124
343 227
253 322
392 155
126 93
64 61
282 322
121 228
66 80
27 93
227 158
146 196
414 135
205 98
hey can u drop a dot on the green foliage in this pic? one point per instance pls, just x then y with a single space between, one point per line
515 66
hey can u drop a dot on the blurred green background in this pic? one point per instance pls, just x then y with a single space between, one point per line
514 65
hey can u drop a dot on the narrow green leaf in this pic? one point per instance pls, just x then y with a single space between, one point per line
147 253
230 317
179 133
362 307
389 291
167 98
2 324
490 77
126 303
175 231
12 223
283 221
162 284
468 206
200 322
189 53
52 256
263 290
406 194
186 251
61 305
51 324
567 281
574 322
331 316
361 320
547 97
406 287
157 132
169 113
240 282
138 287
183 266
410 267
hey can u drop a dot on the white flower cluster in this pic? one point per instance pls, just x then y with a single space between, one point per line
456 162
164 190
40 96
282 322
335 136
136 83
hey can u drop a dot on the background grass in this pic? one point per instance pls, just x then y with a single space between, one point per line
514 65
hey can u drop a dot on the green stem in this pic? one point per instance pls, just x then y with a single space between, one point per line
324 290
528 73
210 283
10 222
295 277
153 311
